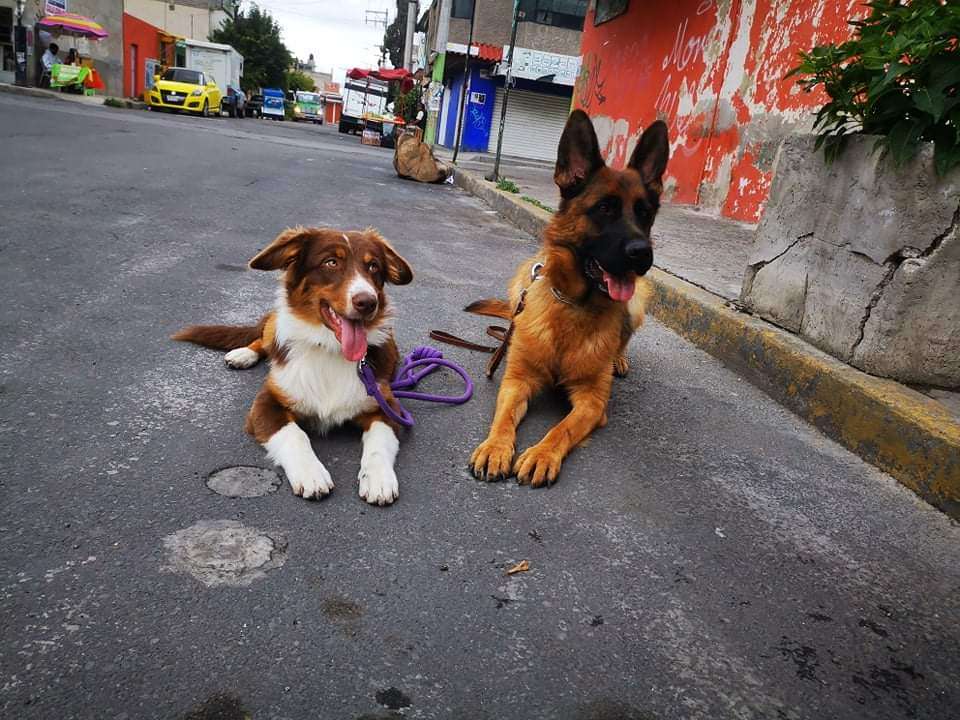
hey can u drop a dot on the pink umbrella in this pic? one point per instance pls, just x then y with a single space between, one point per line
71 24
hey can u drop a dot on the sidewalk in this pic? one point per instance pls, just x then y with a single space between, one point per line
706 251
700 261
91 100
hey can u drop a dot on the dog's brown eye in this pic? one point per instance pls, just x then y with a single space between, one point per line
373 268
608 206
331 262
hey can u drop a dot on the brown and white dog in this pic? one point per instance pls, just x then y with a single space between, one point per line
331 312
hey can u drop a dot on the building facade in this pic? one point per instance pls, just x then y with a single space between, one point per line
546 65
151 30
106 54
714 70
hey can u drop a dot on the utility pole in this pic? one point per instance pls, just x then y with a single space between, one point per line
466 83
375 18
413 9
494 175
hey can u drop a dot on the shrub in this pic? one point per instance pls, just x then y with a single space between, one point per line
507 185
898 77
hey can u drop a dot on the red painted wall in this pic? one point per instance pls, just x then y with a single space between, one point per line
714 71
145 37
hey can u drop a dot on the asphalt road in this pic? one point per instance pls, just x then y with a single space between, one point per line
707 555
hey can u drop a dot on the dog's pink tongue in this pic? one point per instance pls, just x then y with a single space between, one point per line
620 289
353 339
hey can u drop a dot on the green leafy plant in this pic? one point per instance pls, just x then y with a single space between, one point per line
537 203
507 185
297 80
898 77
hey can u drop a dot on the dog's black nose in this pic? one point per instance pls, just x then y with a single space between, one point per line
640 255
364 303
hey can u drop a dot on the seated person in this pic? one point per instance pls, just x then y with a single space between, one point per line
73 57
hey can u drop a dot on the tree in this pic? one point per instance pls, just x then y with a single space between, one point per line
256 35
297 80
394 38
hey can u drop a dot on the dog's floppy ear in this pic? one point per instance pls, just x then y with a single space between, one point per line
578 155
398 270
282 251
651 154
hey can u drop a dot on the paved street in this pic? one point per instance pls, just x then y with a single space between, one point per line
707 555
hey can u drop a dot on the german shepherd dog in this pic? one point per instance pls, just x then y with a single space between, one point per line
583 297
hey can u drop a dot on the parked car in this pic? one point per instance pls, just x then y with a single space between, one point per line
272 103
254 106
184 89
234 103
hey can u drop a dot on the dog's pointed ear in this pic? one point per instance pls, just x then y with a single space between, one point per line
282 251
398 269
651 154
578 155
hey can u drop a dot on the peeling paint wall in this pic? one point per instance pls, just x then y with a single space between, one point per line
714 71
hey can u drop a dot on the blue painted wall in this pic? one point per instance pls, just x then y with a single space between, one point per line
478 117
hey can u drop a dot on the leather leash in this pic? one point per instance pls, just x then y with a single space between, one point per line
503 334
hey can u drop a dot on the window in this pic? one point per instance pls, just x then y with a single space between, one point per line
462 9
191 77
558 13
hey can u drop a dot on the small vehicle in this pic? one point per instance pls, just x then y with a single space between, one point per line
308 106
254 106
184 89
233 104
272 104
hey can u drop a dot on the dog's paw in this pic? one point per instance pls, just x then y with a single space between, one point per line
310 481
378 483
241 358
538 465
491 461
621 366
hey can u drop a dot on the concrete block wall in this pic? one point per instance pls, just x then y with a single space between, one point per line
863 259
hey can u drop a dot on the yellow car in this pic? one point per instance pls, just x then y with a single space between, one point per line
183 89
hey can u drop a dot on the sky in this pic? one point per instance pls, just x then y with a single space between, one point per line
333 30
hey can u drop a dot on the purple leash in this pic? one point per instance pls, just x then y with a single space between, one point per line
429 360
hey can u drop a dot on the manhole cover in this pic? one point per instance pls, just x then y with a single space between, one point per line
243 482
224 552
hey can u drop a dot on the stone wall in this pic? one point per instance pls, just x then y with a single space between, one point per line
863 259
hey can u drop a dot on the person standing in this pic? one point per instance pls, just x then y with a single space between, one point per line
48 60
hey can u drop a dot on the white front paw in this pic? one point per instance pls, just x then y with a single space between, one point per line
378 483
241 358
310 480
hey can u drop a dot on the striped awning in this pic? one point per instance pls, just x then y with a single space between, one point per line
72 24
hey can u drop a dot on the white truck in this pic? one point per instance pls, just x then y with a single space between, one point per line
221 63
362 97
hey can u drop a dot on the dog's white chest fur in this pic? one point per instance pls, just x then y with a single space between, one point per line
316 378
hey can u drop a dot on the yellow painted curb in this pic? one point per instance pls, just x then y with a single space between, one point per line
897 429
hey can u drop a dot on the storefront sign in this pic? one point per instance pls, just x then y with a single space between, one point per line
55 7
539 65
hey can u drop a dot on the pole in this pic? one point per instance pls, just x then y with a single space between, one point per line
466 85
20 48
413 9
494 175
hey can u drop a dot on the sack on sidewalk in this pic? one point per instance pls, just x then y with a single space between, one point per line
414 159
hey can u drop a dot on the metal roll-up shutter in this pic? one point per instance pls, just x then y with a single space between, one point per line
534 124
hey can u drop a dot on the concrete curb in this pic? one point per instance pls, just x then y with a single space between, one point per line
897 429
49 95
